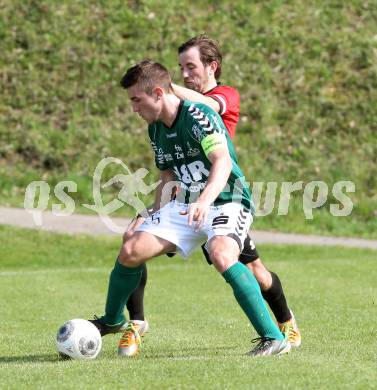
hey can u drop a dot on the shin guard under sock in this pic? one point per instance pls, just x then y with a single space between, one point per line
247 292
123 281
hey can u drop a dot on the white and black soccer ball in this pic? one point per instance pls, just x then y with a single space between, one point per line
78 339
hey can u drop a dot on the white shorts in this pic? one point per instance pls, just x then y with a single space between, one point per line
231 219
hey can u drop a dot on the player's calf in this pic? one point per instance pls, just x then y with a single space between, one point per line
261 273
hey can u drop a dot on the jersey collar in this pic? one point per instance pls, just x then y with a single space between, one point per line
177 116
210 90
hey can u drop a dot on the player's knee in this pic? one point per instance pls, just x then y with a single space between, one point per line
127 235
129 254
221 260
261 273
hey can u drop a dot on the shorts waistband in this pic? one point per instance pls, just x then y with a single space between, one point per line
180 204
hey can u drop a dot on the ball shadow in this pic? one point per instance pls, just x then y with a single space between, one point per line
35 358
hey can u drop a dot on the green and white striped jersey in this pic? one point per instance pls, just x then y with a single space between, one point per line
180 148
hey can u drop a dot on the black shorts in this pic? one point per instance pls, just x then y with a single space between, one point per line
249 252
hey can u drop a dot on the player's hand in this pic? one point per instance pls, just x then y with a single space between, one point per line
197 212
135 223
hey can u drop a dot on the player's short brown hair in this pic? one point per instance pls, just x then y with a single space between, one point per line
209 51
149 75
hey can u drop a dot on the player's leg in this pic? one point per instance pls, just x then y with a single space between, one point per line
137 326
128 269
135 304
226 238
224 253
166 224
269 282
272 292
126 275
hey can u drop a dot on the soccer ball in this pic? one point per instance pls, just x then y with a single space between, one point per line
78 339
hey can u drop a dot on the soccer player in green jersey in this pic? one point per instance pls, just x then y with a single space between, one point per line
200 61
192 150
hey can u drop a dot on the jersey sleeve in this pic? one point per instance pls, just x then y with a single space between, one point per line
205 121
228 99
207 129
222 102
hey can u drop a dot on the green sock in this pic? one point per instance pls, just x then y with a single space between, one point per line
247 292
123 281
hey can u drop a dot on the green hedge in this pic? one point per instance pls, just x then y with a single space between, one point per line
306 71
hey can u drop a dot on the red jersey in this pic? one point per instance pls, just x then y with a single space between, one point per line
229 101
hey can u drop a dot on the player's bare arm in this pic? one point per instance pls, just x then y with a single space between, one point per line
162 197
166 177
189 94
217 179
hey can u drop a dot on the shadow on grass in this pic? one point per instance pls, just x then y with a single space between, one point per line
174 354
48 358
192 353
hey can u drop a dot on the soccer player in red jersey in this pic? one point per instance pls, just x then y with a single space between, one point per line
200 62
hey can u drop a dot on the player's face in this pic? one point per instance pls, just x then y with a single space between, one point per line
196 75
147 106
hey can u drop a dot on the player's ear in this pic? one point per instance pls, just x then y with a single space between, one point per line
213 66
158 93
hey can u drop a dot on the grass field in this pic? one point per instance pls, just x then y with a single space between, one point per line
198 336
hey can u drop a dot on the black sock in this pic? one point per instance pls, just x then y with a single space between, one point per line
275 298
135 303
